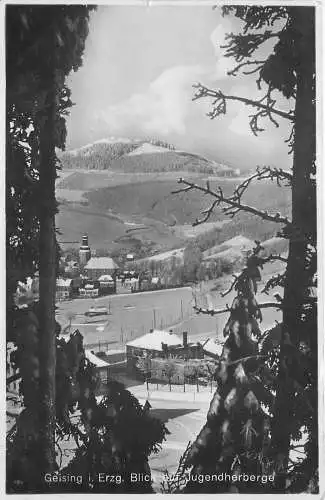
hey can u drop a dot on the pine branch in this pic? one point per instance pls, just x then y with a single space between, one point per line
13 378
175 482
262 173
246 358
273 282
258 64
212 312
219 103
243 46
223 294
272 257
233 204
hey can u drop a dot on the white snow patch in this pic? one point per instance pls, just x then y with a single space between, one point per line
147 148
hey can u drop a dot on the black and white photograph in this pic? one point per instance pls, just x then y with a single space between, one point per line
162 200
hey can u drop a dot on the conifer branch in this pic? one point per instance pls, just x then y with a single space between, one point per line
273 282
233 204
213 312
258 66
263 173
246 358
223 294
272 257
220 99
243 46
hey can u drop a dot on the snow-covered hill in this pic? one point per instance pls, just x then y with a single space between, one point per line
135 155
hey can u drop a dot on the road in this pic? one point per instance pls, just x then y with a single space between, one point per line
184 419
132 315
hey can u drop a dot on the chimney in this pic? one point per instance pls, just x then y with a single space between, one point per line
170 332
164 348
185 341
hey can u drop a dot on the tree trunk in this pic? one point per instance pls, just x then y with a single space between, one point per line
303 230
47 273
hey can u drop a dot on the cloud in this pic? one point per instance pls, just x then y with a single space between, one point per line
161 109
218 38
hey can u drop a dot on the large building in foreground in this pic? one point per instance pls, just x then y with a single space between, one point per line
162 344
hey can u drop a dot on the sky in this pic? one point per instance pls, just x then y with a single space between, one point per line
136 81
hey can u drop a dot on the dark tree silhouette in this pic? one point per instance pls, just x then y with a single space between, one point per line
289 69
237 427
43 45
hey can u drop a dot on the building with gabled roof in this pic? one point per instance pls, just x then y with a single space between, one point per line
98 266
159 345
154 341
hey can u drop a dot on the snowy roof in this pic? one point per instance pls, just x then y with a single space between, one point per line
153 340
95 360
62 282
105 277
212 347
101 263
114 351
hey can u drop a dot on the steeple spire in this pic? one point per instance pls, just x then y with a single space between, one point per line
84 251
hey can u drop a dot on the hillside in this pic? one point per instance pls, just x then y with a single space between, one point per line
146 147
97 155
118 211
108 232
126 155
154 199
238 243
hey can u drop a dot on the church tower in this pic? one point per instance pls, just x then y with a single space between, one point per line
84 251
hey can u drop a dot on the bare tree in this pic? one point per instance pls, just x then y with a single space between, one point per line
170 369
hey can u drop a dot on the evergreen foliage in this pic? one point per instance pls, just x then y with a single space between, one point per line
290 371
113 435
43 45
237 427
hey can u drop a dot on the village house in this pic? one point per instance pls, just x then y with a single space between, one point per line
99 266
161 344
63 288
107 365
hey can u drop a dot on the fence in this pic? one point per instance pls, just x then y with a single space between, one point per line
84 293
125 333
185 387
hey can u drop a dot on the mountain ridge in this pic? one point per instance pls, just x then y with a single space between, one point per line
139 155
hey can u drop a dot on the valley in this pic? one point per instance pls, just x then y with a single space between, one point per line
119 210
